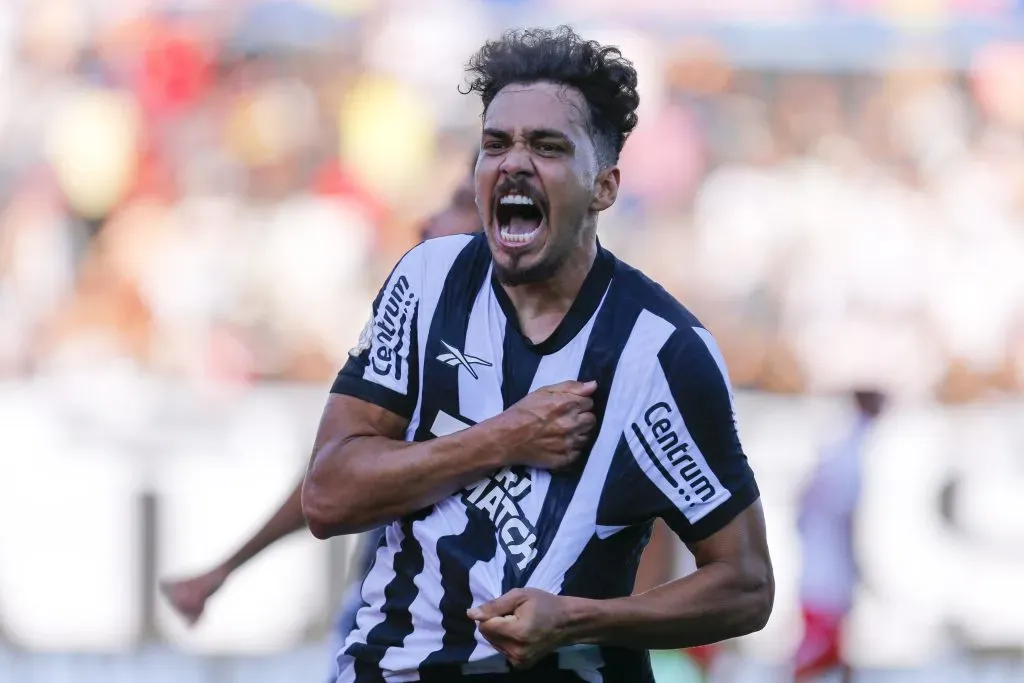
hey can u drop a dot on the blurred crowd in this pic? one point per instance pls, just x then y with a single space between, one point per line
214 194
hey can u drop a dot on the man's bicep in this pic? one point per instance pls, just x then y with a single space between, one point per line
346 418
742 543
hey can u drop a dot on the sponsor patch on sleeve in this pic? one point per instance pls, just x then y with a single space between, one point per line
663 448
390 336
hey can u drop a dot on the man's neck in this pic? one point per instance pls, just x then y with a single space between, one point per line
541 306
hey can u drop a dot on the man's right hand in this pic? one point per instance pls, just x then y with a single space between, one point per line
551 426
188 596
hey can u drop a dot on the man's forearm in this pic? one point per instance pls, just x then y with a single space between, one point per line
714 603
368 481
286 520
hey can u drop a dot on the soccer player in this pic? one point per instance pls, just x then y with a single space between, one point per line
522 405
826 524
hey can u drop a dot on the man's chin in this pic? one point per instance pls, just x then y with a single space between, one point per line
520 272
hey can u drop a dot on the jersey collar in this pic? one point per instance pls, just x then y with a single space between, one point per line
583 308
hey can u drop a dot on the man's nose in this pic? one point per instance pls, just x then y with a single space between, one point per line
517 162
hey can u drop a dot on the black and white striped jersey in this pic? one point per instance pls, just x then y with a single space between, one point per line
443 349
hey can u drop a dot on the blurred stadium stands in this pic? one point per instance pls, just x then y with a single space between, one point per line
198 199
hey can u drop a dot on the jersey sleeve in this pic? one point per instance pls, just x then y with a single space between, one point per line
383 367
684 439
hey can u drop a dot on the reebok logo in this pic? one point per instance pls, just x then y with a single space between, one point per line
456 358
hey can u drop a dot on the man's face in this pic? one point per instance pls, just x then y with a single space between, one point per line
458 217
538 184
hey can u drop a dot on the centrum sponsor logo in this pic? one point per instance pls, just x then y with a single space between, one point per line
673 459
391 327
500 497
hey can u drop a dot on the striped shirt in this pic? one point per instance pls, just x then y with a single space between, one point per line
444 350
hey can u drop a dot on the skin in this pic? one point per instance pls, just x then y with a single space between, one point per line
535 142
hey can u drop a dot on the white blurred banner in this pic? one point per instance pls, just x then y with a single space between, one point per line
941 535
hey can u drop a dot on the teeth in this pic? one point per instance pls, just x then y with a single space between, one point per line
518 238
515 199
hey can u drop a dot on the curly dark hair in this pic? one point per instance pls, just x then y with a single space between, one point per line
605 78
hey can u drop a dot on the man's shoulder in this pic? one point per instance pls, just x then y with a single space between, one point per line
436 255
689 343
428 264
645 293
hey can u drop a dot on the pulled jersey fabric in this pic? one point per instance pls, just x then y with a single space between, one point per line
444 350
352 600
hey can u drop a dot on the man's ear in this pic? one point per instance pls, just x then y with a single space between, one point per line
606 190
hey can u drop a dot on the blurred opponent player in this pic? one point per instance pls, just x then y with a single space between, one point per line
826 522
188 596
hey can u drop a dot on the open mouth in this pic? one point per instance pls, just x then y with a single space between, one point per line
519 219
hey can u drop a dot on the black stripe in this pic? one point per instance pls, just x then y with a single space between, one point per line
367 672
398 596
608 338
618 558
622 665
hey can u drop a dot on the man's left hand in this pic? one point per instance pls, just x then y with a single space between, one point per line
525 624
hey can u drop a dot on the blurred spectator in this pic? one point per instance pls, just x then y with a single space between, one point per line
212 195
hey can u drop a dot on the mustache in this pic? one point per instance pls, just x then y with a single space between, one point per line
518 186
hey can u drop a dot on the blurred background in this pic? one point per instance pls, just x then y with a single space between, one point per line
199 198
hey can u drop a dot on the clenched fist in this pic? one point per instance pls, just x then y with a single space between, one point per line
550 427
525 625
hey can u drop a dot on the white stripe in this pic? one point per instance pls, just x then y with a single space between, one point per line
480 398
446 425
579 524
604 532
438 257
